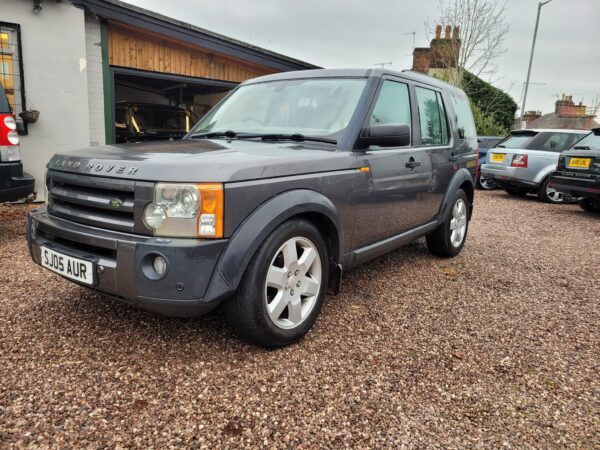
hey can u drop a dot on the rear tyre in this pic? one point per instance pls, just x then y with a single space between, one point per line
281 293
449 238
549 194
516 192
588 205
485 184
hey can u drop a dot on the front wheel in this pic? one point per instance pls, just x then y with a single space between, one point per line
281 293
449 238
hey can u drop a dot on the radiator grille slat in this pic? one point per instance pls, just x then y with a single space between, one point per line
107 203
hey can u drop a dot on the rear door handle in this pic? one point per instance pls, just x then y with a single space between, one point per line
412 164
453 158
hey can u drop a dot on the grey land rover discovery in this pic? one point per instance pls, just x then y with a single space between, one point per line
291 179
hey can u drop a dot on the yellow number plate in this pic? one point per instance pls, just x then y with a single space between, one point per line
497 157
580 163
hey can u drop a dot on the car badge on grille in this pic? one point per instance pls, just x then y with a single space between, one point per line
116 202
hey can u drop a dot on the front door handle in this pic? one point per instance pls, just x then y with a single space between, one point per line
411 164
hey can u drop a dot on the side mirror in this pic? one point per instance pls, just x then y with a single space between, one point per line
385 135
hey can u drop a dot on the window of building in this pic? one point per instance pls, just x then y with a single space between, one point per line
392 105
432 117
11 70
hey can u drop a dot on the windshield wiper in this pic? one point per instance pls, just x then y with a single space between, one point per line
501 146
581 147
214 134
296 137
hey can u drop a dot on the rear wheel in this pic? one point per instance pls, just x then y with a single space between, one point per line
282 290
449 238
588 205
548 194
486 184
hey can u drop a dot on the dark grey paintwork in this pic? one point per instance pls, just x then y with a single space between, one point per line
404 194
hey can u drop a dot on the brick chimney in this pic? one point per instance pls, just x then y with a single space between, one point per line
442 52
530 116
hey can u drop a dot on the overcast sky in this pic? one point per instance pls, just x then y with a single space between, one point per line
351 33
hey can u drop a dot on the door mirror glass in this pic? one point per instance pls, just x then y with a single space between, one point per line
385 135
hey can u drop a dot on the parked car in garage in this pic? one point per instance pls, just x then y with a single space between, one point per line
291 179
14 183
523 162
486 143
137 122
578 172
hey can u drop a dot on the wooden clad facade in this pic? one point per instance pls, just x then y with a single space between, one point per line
138 49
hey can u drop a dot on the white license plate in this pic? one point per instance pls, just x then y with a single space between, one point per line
73 268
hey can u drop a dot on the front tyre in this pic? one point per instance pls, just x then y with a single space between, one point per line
449 238
282 291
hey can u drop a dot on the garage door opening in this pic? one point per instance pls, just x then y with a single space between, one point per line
158 106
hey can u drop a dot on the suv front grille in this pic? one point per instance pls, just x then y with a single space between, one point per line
108 203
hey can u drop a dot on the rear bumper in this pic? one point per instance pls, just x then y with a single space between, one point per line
121 262
507 176
14 183
576 186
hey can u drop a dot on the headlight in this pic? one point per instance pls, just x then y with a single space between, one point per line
186 210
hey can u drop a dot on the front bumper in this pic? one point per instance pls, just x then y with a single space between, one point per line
14 183
507 176
576 186
121 259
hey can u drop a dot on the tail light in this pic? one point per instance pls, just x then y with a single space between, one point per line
9 139
477 164
519 161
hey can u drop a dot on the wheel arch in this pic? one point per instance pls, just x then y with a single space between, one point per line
462 179
247 238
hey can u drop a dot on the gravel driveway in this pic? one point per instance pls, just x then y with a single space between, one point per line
498 347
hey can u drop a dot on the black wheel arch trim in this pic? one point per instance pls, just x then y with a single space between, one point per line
461 177
252 232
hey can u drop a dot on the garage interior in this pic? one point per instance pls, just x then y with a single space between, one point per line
156 60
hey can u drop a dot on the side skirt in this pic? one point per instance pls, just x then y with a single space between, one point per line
363 254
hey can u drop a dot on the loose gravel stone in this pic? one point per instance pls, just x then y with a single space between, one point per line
497 347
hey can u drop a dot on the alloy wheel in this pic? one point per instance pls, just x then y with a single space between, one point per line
486 184
458 223
293 282
554 195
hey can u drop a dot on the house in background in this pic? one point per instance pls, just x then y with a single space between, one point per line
74 60
441 57
566 115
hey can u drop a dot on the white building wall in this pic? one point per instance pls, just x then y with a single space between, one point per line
93 51
54 65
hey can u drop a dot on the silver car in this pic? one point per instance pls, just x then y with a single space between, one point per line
522 162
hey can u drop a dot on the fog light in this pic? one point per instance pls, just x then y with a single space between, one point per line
159 265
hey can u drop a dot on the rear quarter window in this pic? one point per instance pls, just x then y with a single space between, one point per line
464 116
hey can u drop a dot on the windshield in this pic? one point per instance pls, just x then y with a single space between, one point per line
590 142
312 107
159 119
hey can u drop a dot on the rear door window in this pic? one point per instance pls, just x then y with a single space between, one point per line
557 142
432 117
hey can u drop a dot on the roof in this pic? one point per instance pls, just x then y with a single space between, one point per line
552 130
556 122
354 73
143 18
